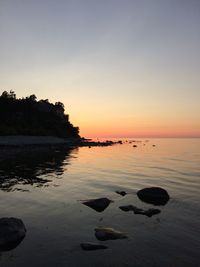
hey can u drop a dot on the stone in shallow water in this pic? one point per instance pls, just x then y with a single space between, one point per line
104 234
127 208
148 213
122 193
99 204
151 212
92 246
12 232
154 195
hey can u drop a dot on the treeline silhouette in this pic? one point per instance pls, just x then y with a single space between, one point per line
27 116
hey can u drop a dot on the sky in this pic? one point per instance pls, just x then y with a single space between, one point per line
122 68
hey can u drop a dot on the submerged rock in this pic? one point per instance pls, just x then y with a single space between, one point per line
104 234
12 232
154 195
99 204
127 208
92 246
122 193
149 212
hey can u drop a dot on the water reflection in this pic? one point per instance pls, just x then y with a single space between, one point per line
29 167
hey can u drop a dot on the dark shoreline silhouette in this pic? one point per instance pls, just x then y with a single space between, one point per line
27 116
30 122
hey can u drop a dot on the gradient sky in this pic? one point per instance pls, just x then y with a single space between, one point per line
121 68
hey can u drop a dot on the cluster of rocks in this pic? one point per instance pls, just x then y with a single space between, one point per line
89 143
148 212
153 195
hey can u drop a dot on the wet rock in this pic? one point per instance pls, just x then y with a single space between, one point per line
122 193
92 246
153 195
104 234
127 208
148 213
138 210
151 212
12 232
99 204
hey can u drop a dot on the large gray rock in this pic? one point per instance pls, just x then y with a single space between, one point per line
154 195
12 232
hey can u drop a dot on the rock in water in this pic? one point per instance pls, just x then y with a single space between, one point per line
104 234
128 208
92 246
99 204
153 195
12 232
122 193
148 213
151 212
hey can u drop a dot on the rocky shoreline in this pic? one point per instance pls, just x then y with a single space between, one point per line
11 145
18 141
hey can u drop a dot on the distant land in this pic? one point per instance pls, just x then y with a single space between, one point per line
28 116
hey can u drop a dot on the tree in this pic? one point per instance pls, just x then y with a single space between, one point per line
10 95
60 105
32 98
4 94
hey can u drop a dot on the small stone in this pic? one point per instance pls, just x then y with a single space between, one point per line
104 234
127 208
99 204
151 212
92 246
122 193
148 213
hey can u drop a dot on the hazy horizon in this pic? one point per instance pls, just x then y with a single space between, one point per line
121 68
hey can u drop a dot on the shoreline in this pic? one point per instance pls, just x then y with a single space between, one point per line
18 141
10 146
21 141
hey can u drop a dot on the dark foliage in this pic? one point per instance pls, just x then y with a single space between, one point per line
27 116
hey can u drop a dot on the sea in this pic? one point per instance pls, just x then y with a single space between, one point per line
46 190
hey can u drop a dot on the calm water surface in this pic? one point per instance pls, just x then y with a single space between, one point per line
44 189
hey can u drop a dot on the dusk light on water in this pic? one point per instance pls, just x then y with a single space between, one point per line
99 133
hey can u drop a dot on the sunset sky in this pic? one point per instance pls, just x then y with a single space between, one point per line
122 68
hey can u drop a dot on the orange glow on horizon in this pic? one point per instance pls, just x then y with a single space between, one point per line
97 126
141 133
